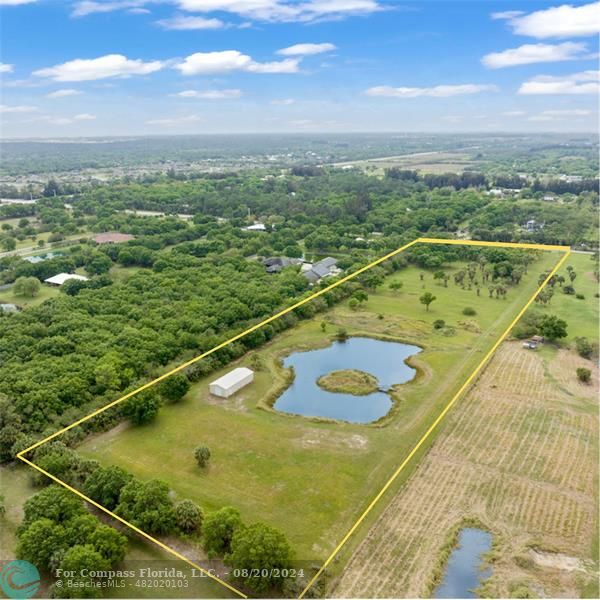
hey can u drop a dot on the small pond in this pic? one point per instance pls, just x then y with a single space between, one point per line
463 572
382 359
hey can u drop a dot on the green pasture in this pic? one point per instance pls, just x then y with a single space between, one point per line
313 479
581 315
46 292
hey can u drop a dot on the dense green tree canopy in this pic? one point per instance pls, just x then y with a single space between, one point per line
219 528
259 546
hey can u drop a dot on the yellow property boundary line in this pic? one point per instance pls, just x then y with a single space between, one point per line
21 455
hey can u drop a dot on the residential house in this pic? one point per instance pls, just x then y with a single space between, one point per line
323 268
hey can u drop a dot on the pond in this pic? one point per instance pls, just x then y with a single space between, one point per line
463 573
383 359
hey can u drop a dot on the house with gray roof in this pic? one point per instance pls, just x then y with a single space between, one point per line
323 268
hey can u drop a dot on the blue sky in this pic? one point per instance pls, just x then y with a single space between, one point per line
125 67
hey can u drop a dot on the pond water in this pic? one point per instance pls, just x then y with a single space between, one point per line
463 573
382 359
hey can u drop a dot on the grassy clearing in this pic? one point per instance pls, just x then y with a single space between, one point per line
579 314
45 293
119 273
141 555
16 488
308 478
14 221
425 162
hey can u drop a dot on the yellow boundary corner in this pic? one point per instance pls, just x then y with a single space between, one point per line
21 455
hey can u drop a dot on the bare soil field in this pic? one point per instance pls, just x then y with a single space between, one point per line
518 454
426 162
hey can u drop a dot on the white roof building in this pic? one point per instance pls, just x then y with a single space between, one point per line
9 308
256 227
231 382
62 277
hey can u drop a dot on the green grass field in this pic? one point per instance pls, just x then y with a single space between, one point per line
16 488
313 479
581 315
45 293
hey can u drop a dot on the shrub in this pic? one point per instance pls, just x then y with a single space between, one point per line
341 335
584 348
143 407
257 363
148 506
104 485
219 528
174 388
580 296
27 286
202 454
188 516
584 375
439 324
552 327
569 290
261 548
469 311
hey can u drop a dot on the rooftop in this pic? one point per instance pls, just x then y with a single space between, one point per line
62 277
232 377
9 308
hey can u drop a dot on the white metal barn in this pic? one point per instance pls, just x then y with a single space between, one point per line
231 382
62 277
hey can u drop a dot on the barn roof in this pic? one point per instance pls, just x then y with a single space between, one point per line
62 277
233 377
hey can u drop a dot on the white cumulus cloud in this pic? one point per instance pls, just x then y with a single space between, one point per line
211 94
567 112
15 2
506 14
226 61
283 102
6 68
558 21
438 91
306 49
103 67
534 53
63 93
559 115
22 108
284 10
183 23
89 7
586 82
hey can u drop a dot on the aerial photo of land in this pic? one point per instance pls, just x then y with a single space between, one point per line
299 299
